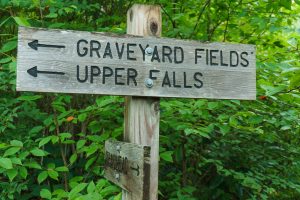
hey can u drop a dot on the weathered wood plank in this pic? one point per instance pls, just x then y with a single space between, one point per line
142 114
100 63
126 164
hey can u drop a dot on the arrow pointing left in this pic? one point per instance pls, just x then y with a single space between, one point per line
34 72
35 44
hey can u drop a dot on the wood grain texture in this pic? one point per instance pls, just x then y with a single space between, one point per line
142 114
138 160
219 82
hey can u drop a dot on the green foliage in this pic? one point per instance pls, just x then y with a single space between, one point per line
51 145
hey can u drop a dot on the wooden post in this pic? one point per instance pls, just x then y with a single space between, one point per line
142 114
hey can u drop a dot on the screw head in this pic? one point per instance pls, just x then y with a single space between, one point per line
148 51
117 176
148 82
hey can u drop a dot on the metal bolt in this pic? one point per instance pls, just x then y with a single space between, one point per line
149 51
117 176
148 82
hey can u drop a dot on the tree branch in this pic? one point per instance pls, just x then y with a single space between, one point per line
199 17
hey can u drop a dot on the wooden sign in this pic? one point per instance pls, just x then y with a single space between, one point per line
102 63
128 166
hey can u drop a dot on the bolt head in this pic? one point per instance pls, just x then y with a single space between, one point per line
117 176
149 51
149 83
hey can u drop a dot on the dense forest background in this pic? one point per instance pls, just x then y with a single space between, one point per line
51 145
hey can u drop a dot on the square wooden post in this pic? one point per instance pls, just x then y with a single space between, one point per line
142 113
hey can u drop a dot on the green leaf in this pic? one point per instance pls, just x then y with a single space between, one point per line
82 117
5 60
11 151
53 174
286 3
45 141
16 143
104 101
51 165
65 135
54 139
91 187
89 162
91 150
109 190
8 46
21 21
11 173
212 105
80 144
5 163
23 172
51 15
62 169
16 161
251 182
36 129
33 165
38 152
45 193
3 145
77 189
29 98
42 176
73 158
167 156
270 90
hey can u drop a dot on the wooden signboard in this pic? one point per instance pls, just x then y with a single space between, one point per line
101 63
128 166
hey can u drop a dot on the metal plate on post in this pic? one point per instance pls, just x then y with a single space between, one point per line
102 63
128 166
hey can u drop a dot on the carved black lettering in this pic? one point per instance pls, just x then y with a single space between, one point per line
197 77
207 57
95 46
151 74
236 55
85 49
143 50
130 51
197 55
166 52
174 81
95 71
117 76
107 72
119 164
185 85
120 51
166 80
85 76
107 51
246 62
212 57
131 74
222 59
125 166
155 55
176 59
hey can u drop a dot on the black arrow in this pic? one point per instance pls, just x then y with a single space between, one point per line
35 44
34 72
137 169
